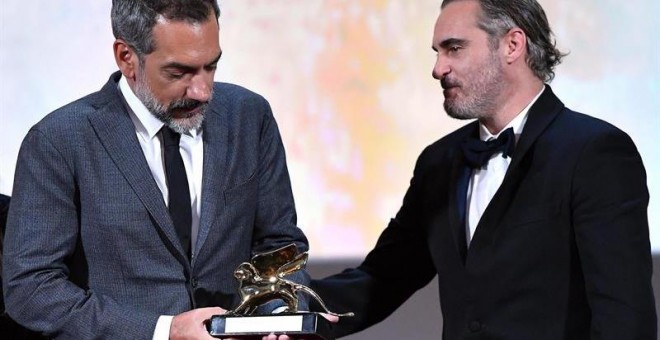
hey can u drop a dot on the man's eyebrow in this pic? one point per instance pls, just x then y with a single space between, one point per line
452 41
179 66
189 68
215 61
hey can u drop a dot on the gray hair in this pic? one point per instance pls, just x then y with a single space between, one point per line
500 16
133 20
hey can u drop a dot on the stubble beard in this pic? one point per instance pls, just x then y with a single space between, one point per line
480 92
165 112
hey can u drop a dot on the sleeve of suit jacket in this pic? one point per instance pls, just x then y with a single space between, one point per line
275 222
609 211
4 207
398 266
42 235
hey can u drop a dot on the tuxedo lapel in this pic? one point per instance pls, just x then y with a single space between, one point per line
216 143
541 114
460 177
116 132
458 185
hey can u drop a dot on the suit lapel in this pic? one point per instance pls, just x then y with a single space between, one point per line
216 142
459 178
116 132
541 114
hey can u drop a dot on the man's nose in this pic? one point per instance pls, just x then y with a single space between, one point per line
200 88
441 68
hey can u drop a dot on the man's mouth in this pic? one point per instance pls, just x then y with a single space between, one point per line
448 84
187 111
193 112
450 87
183 113
449 90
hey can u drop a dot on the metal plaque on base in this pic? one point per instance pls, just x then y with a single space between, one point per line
312 326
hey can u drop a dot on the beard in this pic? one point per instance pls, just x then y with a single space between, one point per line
166 112
476 96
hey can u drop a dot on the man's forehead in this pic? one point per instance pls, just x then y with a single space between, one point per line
460 13
182 44
456 19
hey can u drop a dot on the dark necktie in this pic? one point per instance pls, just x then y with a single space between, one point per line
478 152
177 186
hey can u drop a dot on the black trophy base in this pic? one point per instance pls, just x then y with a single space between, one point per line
311 326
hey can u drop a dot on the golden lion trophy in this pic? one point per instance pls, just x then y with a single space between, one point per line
261 281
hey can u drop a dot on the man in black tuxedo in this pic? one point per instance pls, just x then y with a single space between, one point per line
539 233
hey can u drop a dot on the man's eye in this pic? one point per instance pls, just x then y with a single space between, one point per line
454 48
175 75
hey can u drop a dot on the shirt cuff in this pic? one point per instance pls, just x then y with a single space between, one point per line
162 331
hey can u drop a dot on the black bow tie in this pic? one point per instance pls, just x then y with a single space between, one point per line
477 152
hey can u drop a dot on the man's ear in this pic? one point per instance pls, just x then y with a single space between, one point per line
126 58
515 45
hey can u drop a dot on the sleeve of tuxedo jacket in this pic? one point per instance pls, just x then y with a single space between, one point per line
609 211
398 266
41 238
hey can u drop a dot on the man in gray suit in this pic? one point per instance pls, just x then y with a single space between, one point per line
95 246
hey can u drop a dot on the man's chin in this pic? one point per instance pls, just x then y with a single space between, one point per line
457 113
183 125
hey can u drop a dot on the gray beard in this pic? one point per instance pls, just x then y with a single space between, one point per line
164 113
481 97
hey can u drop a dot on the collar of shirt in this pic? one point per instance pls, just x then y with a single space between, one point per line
517 123
146 124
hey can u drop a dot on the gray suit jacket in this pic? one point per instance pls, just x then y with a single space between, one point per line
91 251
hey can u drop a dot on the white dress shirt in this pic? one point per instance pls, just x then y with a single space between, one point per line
191 147
485 181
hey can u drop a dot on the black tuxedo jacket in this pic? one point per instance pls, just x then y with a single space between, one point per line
561 252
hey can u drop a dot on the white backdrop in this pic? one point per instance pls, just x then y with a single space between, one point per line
350 85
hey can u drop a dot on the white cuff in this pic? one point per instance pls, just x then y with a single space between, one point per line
162 331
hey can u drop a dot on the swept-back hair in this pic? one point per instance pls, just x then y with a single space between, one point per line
499 16
133 20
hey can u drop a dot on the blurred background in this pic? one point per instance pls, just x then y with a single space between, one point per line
351 88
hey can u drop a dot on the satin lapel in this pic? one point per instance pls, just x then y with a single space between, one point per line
460 177
541 114
116 132
459 181
216 145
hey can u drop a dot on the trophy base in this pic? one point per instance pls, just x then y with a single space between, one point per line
312 326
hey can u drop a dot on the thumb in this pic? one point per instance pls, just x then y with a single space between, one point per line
210 311
331 318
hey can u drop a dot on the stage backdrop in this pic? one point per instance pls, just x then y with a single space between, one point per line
350 85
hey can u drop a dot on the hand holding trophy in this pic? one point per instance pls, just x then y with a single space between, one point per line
261 281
